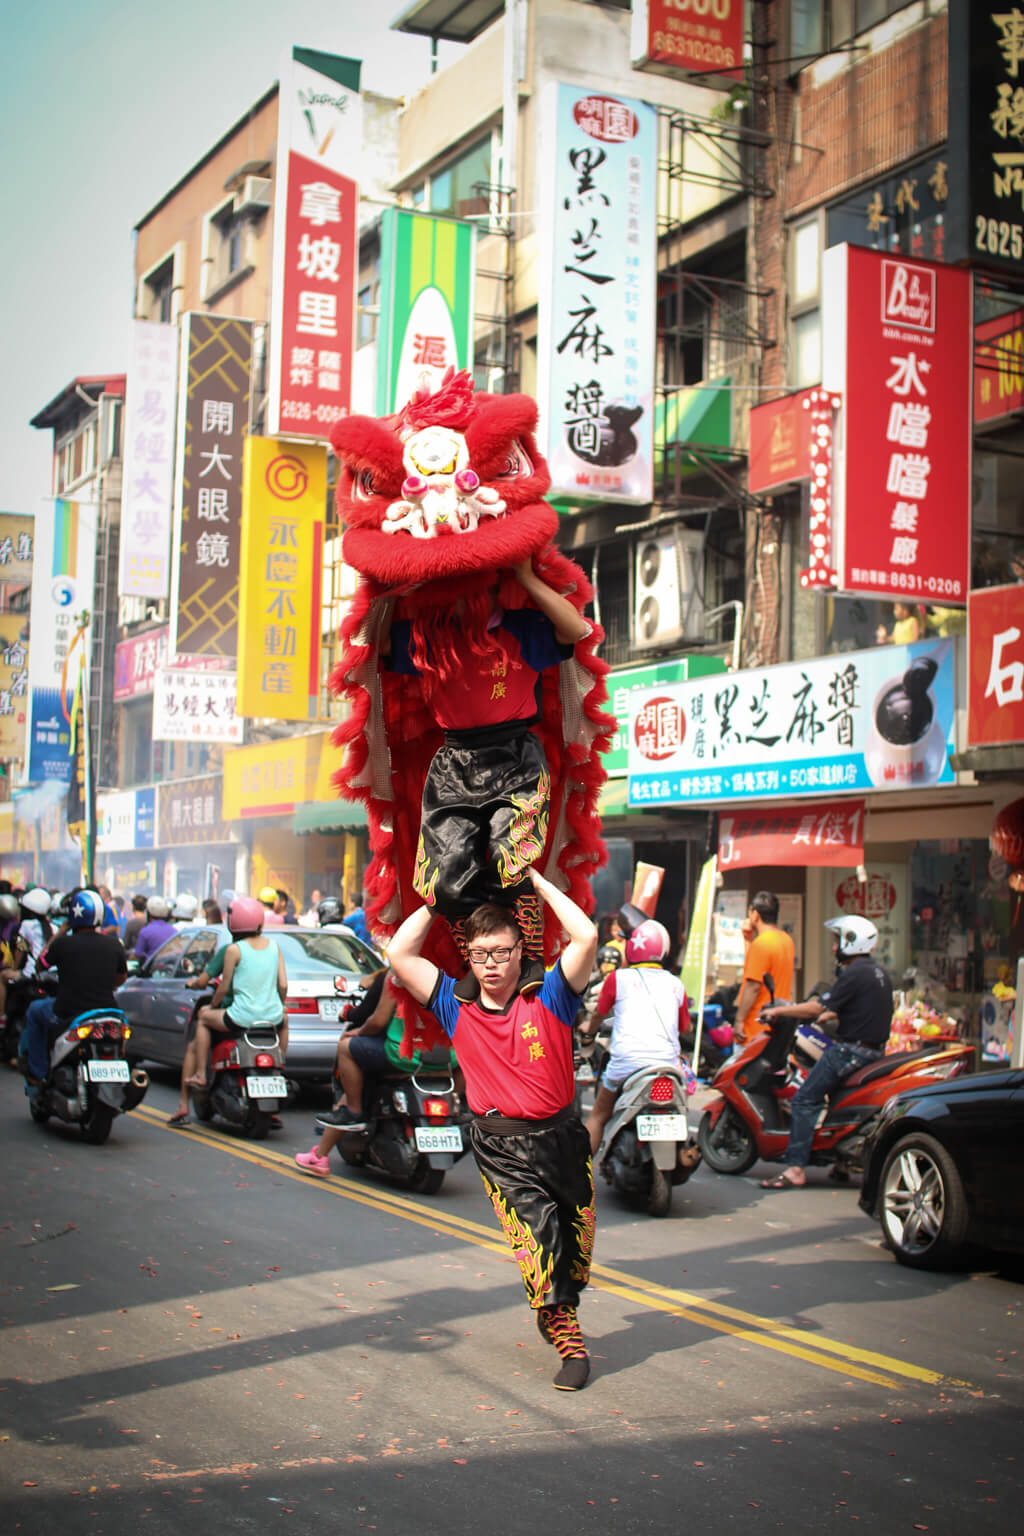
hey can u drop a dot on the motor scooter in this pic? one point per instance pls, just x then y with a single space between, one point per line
90 1081
245 1082
414 1127
750 1119
648 1146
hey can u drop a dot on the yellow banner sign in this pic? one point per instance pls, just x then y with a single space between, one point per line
284 502
270 779
17 537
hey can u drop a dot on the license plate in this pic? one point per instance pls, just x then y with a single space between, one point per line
662 1128
266 1087
107 1071
330 1007
448 1139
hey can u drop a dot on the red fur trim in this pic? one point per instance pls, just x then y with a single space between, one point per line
451 405
396 558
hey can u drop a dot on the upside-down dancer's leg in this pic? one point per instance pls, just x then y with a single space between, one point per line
541 1186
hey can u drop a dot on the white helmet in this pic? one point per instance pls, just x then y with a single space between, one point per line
184 908
57 901
36 901
855 934
157 907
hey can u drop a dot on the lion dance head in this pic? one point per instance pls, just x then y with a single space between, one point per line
451 486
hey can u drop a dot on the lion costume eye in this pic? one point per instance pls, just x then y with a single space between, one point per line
364 487
515 466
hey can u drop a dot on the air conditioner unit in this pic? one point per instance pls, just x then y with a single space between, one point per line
668 577
253 194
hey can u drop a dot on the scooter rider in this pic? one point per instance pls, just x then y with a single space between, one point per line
156 931
90 965
649 1010
860 1001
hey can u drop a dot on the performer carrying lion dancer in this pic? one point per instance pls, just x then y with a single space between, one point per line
474 722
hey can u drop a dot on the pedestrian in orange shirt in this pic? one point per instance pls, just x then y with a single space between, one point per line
771 953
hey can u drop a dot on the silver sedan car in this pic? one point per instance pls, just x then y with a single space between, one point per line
327 968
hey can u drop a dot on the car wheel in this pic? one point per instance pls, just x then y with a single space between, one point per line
922 1206
727 1146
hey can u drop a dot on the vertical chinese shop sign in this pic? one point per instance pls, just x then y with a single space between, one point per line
145 554
897 346
285 498
597 293
63 576
316 199
426 303
213 421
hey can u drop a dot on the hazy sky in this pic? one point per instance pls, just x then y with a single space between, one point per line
105 105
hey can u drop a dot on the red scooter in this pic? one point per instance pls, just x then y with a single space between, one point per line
750 1119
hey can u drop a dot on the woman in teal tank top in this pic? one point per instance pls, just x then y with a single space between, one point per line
254 973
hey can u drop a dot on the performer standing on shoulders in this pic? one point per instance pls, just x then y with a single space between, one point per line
530 1145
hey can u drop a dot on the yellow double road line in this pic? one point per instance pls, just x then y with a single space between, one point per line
844 1359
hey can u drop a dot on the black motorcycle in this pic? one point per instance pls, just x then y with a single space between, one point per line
414 1128
90 1081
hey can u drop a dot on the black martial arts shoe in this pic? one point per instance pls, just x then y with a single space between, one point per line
559 1326
467 988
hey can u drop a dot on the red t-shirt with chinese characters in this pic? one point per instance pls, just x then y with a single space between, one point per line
495 688
518 1062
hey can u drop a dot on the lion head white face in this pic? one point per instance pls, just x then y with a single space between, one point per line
441 492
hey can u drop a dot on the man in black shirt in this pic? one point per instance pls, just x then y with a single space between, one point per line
860 1000
90 965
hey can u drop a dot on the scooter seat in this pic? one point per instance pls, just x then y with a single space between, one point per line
888 1064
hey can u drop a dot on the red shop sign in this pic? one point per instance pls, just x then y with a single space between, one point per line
688 36
317 328
995 638
827 832
999 367
898 347
780 443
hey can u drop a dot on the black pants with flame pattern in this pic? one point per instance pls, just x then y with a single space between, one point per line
483 822
539 1177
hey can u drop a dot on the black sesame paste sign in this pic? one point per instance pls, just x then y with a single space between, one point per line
864 720
986 134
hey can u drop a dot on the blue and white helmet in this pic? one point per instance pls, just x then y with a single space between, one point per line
86 910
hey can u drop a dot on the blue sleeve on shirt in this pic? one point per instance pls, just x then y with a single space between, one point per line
557 996
536 635
400 659
444 1005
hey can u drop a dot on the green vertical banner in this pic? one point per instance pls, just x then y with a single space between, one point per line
427 267
698 946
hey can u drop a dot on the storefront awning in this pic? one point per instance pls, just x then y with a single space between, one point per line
699 414
329 816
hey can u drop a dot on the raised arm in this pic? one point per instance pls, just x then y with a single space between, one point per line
418 976
578 956
569 626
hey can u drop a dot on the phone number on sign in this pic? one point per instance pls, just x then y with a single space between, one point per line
303 410
937 586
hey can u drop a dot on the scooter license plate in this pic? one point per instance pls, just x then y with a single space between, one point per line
662 1128
107 1071
266 1087
444 1139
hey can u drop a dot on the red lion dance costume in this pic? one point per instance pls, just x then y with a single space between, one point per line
438 502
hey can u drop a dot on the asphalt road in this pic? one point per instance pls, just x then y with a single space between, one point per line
342 1355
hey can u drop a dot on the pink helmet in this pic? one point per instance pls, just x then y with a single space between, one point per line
649 941
246 915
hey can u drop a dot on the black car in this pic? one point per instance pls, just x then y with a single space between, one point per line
944 1169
